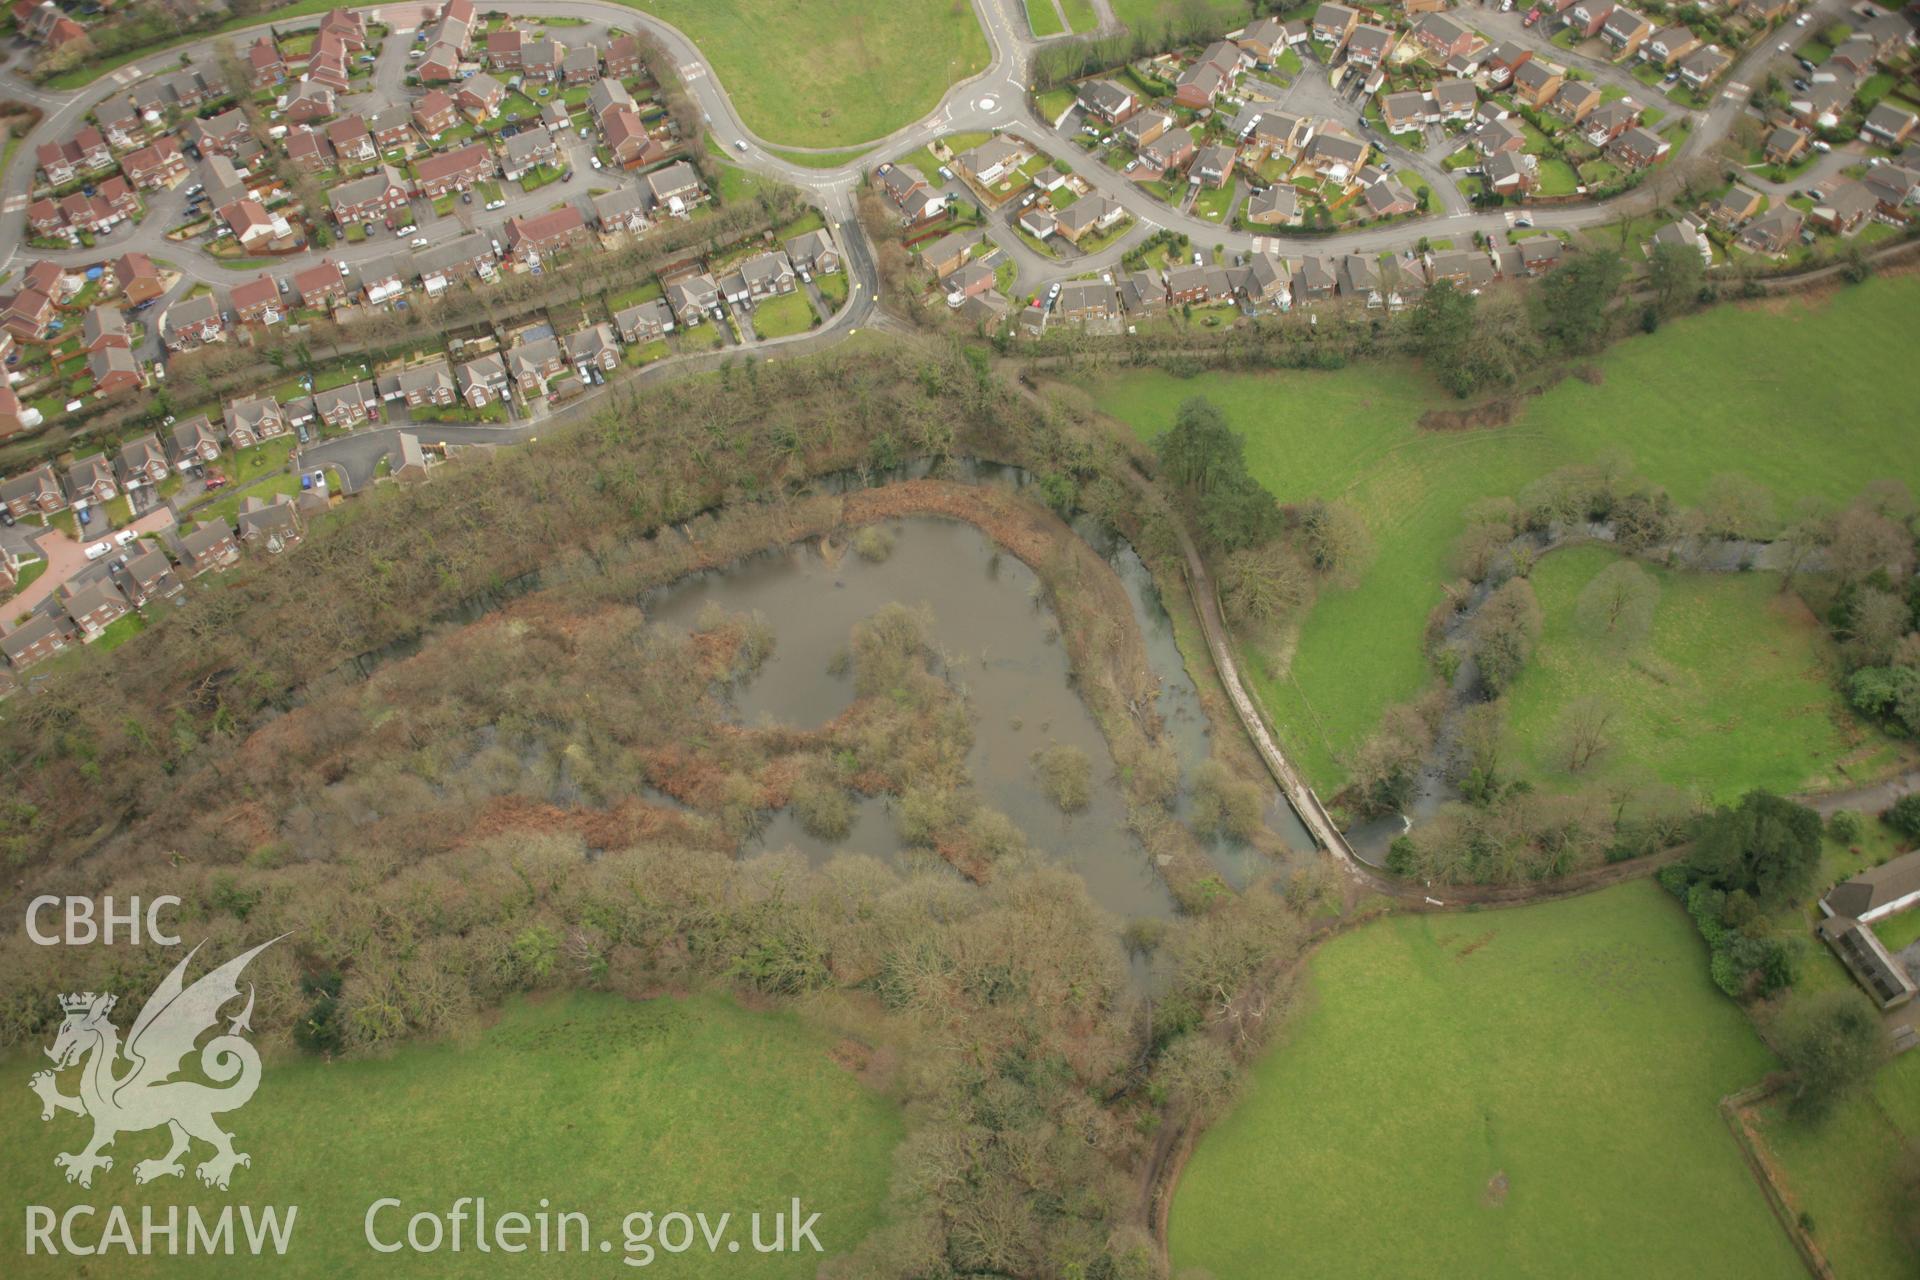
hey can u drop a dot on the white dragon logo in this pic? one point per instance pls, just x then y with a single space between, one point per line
146 1096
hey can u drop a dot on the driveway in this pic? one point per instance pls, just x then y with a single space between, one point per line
67 559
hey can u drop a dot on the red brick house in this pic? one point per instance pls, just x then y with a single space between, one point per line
138 278
546 233
159 165
454 170
435 113
320 286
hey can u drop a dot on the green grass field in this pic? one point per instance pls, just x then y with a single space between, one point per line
1802 397
602 1105
830 75
1846 1173
1043 19
783 316
1510 1093
1154 15
1682 714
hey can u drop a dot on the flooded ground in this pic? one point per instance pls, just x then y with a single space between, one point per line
1002 645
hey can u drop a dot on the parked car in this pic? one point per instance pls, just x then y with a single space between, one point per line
418 242
466 197
126 537
1533 16
95 550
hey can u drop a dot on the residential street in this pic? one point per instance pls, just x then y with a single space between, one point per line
995 99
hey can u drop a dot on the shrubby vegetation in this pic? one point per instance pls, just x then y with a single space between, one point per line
1748 860
439 768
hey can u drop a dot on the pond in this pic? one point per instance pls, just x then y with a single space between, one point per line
1002 645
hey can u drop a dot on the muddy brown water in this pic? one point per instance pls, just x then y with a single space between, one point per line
1002 646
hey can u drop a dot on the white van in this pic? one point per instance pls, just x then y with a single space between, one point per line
98 549
125 537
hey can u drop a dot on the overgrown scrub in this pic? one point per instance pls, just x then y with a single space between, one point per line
1748 859
1066 775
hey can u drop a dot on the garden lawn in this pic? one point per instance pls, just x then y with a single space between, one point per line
1826 378
1899 932
602 1105
1774 718
1846 1173
833 288
780 317
1527 1092
830 75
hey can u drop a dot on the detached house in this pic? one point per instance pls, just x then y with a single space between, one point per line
149 575
454 170
269 526
209 548
114 371
1703 66
141 462
193 443
223 135
1625 30
1105 100
90 481
321 286
528 239
595 346
435 113
426 384
1536 82
265 66
693 298
191 322
1441 38
37 493
95 607
38 638
1638 147
479 98
484 381
1887 125
255 419
1669 44
675 188
814 253
257 301
352 140
380 193
1772 232
159 165
1575 99
527 151
1369 45
1332 23
645 322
